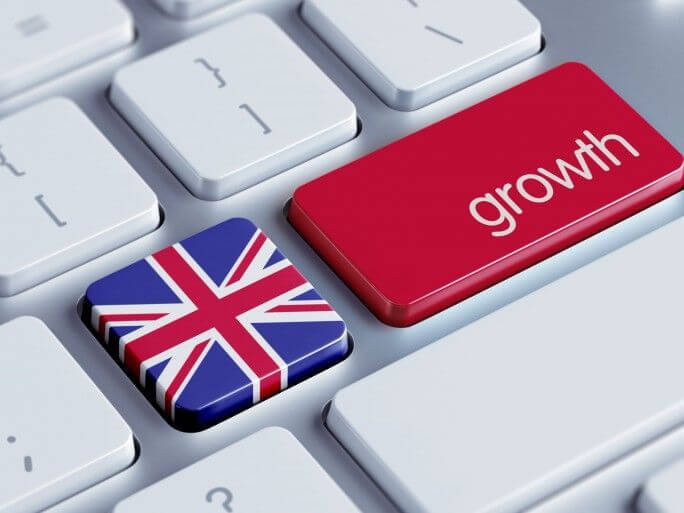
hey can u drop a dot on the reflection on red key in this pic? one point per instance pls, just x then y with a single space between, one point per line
461 205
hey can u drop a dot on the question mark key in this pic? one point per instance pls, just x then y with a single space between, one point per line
267 471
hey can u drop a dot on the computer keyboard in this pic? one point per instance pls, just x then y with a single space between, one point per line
129 130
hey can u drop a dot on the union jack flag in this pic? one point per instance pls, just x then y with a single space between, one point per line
214 324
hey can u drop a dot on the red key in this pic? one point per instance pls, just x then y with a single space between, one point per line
444 213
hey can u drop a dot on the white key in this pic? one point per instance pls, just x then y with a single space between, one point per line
66 195
189 8
268 471
42 38
59 434
664 492
531 398
414 52
233 106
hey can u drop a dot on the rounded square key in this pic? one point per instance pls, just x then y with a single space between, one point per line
41 39
66 195
233 106
215 323
442 214
58 434
414 52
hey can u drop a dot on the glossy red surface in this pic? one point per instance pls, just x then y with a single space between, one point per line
404 226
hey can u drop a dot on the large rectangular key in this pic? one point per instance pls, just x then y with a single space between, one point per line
442 214
533 397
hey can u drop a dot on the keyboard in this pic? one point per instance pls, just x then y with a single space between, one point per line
349 256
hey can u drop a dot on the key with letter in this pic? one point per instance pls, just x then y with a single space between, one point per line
66 195
223 118
436 217
41 39
59 434
414 52
267 471
530 399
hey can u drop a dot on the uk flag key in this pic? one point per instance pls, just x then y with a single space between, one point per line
438 216
215 323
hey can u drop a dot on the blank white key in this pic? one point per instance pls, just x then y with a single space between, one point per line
42 38
531 398
59 434
66 195
268 471
414 52
233 106
664 492
189 8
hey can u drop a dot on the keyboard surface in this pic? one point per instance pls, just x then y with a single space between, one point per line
642 64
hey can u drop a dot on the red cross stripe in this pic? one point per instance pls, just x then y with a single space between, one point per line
215 312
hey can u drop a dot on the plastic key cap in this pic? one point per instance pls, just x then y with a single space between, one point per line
530 399
66 195
461 205
214 324
289 481
223 118
414 52
41 39
59 434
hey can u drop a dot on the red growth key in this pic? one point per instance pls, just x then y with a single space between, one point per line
429 220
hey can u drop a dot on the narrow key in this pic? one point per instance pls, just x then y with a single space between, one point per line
215 323
485 193
223 118
664 492
66 195
40 39
189 8
267 471
530 399
414 52
59 434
